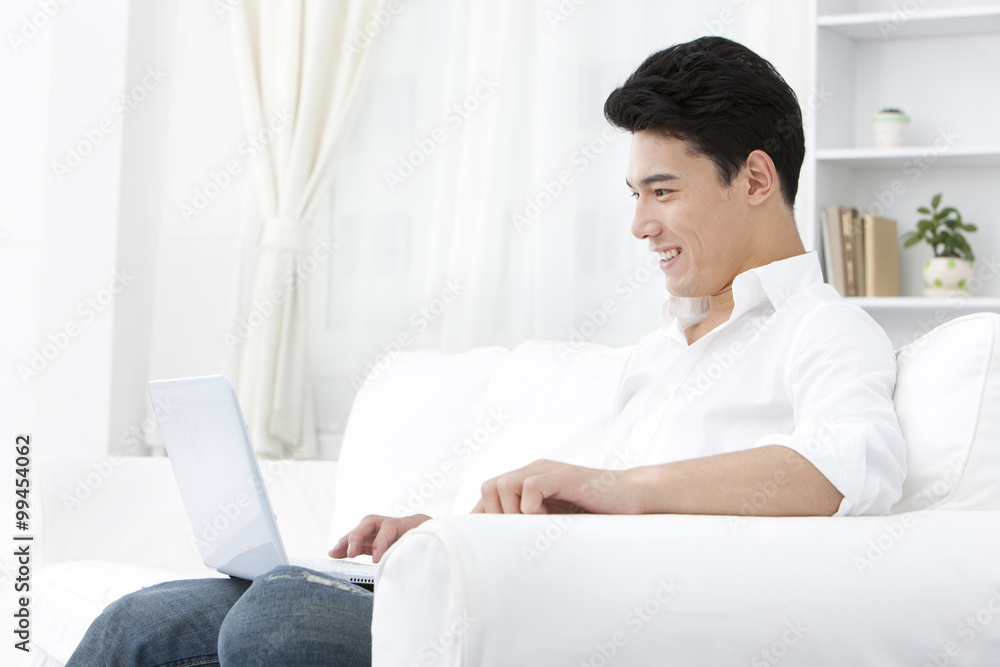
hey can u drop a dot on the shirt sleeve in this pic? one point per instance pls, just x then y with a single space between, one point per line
841 376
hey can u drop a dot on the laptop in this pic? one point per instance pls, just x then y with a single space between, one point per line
235 530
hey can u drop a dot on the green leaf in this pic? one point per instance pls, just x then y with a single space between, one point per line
936 200
924 210
912 241
969 228
963 245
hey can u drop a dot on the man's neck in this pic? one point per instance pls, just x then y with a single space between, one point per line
721 304
720 307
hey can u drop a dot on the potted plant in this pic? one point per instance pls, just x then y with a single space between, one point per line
950 270
889 128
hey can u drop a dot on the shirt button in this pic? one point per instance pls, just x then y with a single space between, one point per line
665 395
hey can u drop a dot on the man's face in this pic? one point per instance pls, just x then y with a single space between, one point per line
682 209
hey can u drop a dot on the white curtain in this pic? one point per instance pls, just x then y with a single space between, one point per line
448 183
300 65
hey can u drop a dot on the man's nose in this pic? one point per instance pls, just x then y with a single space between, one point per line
644 225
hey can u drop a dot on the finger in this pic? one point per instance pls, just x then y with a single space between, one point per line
532 495
339 549
557 492
359 539
509 490
478 509
387 535
541 494
490 499
361 544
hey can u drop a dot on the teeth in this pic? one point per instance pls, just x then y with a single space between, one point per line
669 254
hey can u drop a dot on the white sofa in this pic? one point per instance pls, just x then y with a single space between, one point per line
919 587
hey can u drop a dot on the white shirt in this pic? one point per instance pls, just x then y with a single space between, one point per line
794 365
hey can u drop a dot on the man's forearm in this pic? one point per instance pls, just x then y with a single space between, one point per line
766 481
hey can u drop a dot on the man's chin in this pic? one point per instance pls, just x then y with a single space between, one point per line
676 288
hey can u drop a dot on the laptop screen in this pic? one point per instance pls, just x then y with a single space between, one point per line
217 473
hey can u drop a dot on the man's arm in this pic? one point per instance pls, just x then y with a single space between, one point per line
767 481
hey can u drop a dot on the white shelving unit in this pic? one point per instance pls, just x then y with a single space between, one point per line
940 64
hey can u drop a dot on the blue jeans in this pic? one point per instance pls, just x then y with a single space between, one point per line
289 616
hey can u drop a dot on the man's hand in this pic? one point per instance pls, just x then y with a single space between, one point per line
720 484
549 487
374 535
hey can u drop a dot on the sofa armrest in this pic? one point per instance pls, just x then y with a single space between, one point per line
685 590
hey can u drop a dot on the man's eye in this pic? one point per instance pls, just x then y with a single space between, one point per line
634 195
661 192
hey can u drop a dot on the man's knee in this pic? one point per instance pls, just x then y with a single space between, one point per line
295 614
172 620
118 632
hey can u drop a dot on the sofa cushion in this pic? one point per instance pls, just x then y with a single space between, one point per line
947 398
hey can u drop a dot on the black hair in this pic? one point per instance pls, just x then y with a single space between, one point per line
721 98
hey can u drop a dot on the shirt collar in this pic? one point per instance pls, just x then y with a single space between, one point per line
774 282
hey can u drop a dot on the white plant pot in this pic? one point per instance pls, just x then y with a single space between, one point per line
947 276
889 129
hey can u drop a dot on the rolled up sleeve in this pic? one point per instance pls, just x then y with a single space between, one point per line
841 376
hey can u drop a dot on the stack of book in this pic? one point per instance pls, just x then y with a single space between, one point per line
860 252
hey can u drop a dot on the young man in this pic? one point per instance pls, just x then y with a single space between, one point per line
760 374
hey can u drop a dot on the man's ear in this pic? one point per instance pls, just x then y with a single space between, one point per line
762 178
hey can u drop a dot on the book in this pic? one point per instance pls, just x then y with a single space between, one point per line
847 228
860 277
833 249
881 253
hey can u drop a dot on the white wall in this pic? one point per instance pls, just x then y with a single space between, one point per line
150 86
61 246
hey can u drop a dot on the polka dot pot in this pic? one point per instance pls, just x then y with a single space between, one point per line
944 276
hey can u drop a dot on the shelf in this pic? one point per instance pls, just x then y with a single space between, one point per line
892 158
901 25
883 55
971 305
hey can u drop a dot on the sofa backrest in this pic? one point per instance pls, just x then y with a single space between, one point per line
557 402
948 403
435 426
403 450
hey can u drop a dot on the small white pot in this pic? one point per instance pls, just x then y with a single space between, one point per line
890 129
946 276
